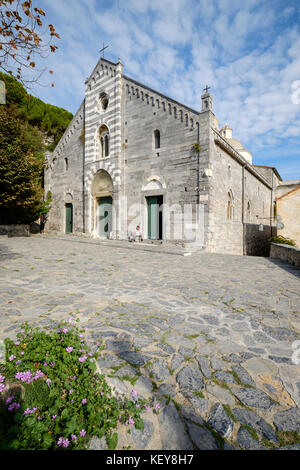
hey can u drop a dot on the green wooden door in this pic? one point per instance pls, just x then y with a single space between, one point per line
69 218
105 216
154 217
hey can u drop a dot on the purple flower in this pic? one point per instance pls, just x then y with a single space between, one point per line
48 382
18 362
69 349
74 437
157 406
45 364
82 433
17 343
52 364
134 393
38 375
2 378
25 377
9 400
13 405
65 330
22 353
12 357
54 417
66 442
71 391
82 359
83 401
60 441
131 421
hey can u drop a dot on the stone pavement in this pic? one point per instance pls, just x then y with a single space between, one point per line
212 336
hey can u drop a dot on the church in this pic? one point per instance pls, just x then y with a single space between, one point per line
133 156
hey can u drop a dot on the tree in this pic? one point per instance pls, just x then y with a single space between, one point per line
23 36
21 168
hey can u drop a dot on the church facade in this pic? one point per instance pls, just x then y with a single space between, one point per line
133 156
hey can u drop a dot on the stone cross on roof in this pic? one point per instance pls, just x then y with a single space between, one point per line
206 89
103 49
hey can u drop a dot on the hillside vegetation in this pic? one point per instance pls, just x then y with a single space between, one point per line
51 120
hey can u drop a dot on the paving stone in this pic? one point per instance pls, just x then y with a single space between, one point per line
226 377
98 444
117 346
201 437
243 375
204 365
253 397
144 387
220 421
177 361
198 402
189 414
291 447
141 342
190 378
288 420
160 370
135 358
247 442
218 363
222 394
260 366
186 352
281 334
251 419
166 347
126 371
142 437
173 434
168 390
110 361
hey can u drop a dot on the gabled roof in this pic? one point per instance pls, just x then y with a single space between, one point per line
272 168
286 194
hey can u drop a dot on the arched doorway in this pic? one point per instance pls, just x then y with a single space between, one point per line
102 194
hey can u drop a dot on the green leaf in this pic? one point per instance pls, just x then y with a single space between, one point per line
47 441
112 441
139 424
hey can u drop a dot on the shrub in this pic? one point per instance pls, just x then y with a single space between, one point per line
282 240
51 395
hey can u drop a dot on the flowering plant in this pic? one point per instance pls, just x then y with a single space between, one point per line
51 396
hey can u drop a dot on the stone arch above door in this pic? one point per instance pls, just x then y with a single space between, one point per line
153 182
102 184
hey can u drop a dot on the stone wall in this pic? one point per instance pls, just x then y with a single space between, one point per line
256 241
21 230
286 253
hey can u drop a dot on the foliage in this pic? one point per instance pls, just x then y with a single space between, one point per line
197 146
50 120
52 396
282 240
21 167
22 37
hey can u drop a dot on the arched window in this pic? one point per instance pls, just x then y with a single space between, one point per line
66 164
104 100
156 139
104 141
230 206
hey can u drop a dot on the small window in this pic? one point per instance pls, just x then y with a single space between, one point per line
248 215
156 139
230 212
104 141
104 101
66 164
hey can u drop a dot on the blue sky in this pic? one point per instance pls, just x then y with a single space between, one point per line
248 52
